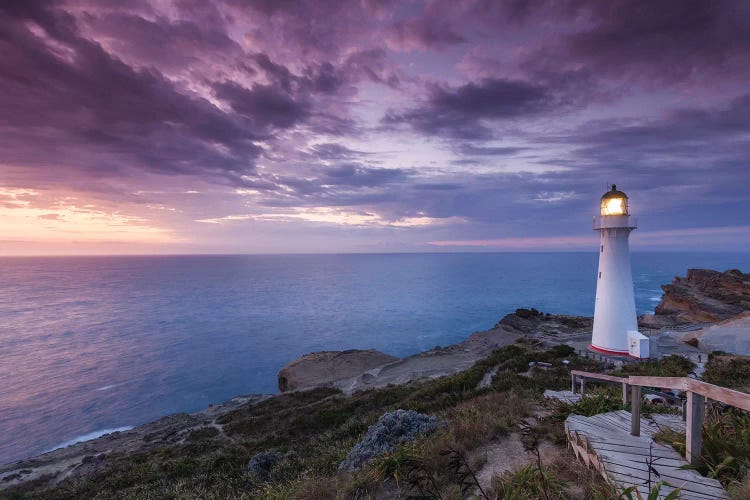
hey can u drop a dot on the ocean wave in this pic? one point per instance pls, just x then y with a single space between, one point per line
89 437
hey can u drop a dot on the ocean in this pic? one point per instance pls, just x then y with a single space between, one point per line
94 344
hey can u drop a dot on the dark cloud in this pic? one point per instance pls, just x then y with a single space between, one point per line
357 175
333 151
423 33
474 150
67 102
667 42
264 105
463 112
161 42
674 39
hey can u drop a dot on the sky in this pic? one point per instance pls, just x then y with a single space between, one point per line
266 126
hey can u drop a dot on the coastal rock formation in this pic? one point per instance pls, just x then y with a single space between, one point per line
323 368
703 296
524 324
531 321
392 428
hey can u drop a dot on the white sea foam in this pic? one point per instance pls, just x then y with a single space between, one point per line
89 436
655 299
107 387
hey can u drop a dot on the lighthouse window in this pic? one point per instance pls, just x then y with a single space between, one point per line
600 275
602 248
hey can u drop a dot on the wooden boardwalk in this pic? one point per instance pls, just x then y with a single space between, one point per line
604 442
564 396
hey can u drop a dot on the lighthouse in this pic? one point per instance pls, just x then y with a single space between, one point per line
615 323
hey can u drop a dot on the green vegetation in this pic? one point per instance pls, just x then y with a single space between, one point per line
669 366
599 400
313 432
728 371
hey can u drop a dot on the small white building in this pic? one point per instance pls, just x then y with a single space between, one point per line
615 322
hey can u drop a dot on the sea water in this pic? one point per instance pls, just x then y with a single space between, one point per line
92 344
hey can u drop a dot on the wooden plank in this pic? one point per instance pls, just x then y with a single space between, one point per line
696 405
626 481
638 452
661 382
598 376
635 410
675 480
662 469
728 396
691 486
625 393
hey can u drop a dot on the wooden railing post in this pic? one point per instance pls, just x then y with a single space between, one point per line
624 393
583 385
573 383
694 427
635 410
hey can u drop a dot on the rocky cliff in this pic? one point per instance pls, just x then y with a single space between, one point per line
340 369
703 296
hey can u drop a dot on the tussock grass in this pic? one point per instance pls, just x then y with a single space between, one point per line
728 371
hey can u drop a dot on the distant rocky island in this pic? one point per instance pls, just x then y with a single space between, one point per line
702 312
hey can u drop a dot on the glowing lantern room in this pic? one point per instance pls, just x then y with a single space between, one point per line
614 202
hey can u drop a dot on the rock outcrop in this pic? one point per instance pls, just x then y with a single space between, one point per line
731 335
703 296
544 325
323 368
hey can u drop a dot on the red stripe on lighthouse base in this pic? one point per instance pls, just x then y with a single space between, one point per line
608 352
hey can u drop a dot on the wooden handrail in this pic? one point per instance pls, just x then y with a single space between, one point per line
679 383
598 376
697 394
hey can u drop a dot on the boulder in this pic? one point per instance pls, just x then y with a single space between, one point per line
320 369
391 429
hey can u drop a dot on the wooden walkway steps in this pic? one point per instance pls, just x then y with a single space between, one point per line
604 442
564 396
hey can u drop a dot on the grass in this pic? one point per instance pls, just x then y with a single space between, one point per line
728 371
528 482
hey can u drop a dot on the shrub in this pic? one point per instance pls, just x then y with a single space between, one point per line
669 366
391 429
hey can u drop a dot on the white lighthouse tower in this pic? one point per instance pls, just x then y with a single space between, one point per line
615 322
